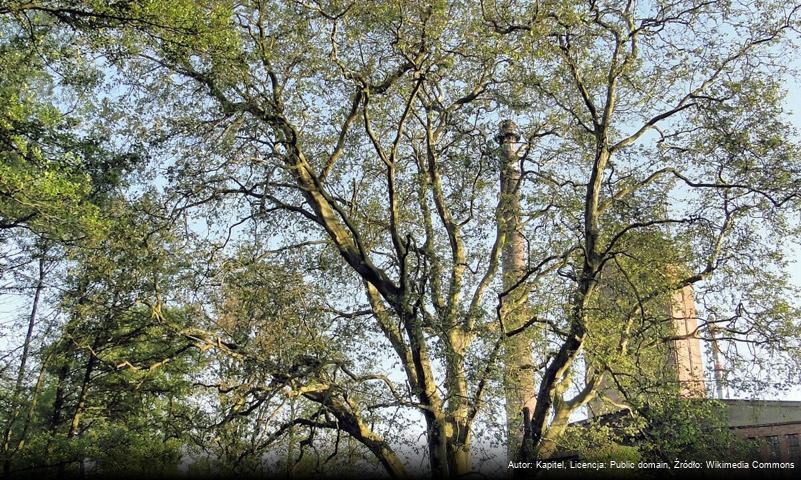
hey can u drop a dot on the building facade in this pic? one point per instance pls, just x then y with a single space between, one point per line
775 424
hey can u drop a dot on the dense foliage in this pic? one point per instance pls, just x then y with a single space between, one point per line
282 236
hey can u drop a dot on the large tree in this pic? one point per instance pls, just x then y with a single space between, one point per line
358 140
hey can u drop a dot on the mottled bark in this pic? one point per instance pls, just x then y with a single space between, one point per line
350 421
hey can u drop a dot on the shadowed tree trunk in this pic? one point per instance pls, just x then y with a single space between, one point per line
15 398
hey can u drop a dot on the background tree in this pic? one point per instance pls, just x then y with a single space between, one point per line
114 375
57 167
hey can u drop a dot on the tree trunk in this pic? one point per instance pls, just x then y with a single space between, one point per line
23 437
458 427
15 407
81 405
437 445
290 448
58 408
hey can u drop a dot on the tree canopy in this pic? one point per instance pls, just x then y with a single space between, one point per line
291 236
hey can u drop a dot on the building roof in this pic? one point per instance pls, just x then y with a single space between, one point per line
749 413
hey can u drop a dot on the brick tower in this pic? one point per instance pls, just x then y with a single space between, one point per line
686 346
682 362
